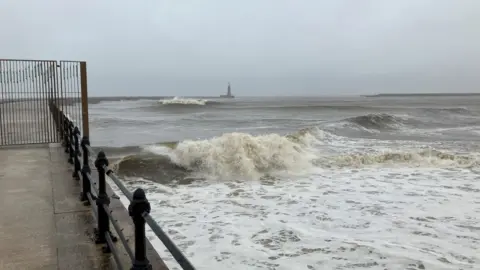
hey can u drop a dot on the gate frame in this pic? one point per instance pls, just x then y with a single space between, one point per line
41 81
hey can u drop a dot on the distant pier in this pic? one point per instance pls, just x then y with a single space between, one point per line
425 95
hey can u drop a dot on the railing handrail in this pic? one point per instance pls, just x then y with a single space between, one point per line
139 208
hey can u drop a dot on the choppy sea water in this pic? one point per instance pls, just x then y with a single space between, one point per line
304 183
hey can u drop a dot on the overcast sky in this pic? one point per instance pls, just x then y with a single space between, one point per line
264 47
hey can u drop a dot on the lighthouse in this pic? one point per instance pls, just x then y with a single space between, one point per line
229 92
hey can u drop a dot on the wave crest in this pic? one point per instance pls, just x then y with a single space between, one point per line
377 121
241 155
459 110
150 166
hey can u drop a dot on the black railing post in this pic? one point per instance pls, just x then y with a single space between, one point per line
76 169
137 207
71 150
86 186
103 222
66 139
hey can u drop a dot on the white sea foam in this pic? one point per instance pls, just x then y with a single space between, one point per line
333 219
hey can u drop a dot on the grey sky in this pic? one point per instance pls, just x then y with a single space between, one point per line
263 47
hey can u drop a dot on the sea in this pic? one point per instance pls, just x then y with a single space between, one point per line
303 183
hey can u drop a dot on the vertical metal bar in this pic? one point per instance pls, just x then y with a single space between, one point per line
48 101
69 89
56 102
4 102
18 111
62 90
23 115
33 102
46 131
35 94
18 108
26 86
18 126
24 105
39 103
74 94
26 117
9 113
5 105
13 94
79 95
65 89
44 101
53 83
2 96
3 82
15 111
24 122
51 100
61 98
84 89
47 98
10 103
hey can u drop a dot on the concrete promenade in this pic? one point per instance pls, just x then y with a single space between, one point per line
43 224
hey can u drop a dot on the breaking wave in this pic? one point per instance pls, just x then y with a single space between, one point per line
415 158
184 101
314 107
244 156
459 110
378 121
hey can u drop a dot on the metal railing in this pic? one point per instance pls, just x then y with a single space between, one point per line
80 154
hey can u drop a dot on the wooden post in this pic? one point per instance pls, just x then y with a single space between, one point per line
84 91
